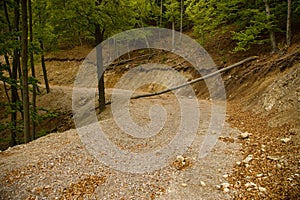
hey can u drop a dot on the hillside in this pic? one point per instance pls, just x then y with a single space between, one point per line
262 102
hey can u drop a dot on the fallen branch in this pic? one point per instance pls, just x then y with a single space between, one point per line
193 81
64 59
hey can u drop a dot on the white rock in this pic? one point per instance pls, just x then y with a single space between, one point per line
225 176
248 158
285 140
183 184
180 158
238 163
273 158
225 190
244 135
225 185
262 189
202 183
237 184
250 184
278 166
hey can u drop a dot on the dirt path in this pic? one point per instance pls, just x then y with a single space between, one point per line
63 168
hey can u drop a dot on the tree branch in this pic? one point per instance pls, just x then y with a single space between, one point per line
193 81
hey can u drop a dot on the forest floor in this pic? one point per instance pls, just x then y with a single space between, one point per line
257 155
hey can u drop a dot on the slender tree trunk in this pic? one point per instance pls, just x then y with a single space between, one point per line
34 85
100 69
289 23
272 34
24 55
173 35
44 67
161 13
14 75
10 76
7 16
6 56
181 17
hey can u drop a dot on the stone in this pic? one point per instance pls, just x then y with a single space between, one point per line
202 183
262 189
248 158
285 140
250 184
225 176
244 135
226 190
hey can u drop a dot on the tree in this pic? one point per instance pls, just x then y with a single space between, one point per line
24 55
172 14
34 83
288 23
14 76
272 34
181 16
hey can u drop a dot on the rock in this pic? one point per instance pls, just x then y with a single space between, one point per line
180 158
183 184
285 140
225 176
244 135
238 184
248 158
250 184
238 163
273 158
225 185
202 183
226 190
292 131
262 189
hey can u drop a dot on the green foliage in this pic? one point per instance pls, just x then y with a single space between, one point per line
172 13
248 17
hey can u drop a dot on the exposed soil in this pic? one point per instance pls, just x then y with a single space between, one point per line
263 99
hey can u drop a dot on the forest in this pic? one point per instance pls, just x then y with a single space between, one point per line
32 28
149 124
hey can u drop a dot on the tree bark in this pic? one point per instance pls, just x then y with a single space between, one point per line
173 35
34 85
44 67
24 55
288 24
14 77
181 17
161 13
272 34
99 35
7 16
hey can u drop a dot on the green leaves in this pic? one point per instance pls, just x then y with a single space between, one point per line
248 18
172 10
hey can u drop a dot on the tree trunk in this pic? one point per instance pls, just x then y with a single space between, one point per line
173 35
100 69
7 16
34 85
14 77
288 24
272 34
181 17
44 67
161 13
24 55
